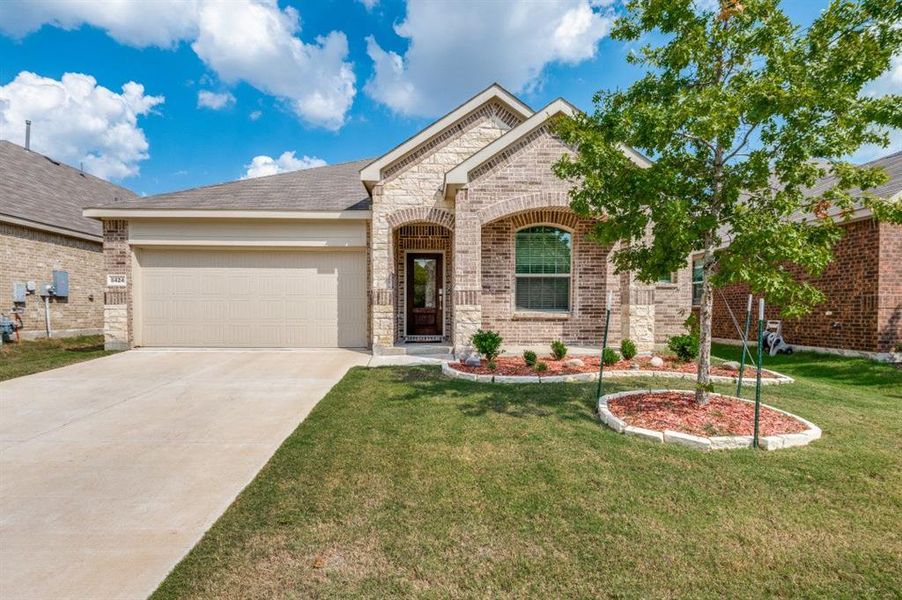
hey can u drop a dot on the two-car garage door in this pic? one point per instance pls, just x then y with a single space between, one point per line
251 298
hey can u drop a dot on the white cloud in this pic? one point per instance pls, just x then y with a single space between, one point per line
255 115
255 42
369 4
888 83
241 40
214 100
464 46
263 165
74 120
159 23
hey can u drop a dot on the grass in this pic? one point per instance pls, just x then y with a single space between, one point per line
34 356
405 483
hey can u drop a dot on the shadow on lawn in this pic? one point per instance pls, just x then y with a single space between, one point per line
564 401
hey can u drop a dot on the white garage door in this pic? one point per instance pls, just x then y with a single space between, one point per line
261 299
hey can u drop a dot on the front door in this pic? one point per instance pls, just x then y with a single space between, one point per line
424 295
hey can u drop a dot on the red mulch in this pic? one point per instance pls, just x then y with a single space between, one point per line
514 365
679 412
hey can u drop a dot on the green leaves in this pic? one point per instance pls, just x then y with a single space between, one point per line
742 115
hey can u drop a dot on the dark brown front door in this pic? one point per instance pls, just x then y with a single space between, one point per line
424 294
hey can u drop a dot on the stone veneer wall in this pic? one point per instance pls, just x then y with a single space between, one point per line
422 237
583 324
863 285
415 181
32 255
117 312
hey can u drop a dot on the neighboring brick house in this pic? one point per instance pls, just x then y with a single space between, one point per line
462 226
42 229
862 312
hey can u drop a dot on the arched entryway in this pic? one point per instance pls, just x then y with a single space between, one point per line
423 268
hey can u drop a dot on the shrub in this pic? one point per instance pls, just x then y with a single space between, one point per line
609 356
685 346
529 357
487 343
558 349
628 349
541 366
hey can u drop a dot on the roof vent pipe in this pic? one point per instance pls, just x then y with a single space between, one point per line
27 134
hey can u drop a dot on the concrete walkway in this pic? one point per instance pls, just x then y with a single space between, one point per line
112 469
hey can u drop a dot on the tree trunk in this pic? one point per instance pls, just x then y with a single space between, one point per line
705 310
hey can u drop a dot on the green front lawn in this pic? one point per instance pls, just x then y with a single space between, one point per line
34 356
404 483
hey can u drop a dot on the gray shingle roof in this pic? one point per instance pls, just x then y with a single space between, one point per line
892 164
40 189
330 188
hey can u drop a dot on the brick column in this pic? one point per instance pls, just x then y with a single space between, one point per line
638 312
117 299
381 273
467 275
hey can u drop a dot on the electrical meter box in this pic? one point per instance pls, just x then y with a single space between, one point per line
61 283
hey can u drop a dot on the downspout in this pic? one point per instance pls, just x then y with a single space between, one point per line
47 316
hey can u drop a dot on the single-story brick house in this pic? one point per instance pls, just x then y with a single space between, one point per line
462 226
42 230
862 312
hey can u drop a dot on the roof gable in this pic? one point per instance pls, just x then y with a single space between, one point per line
459 175
372 172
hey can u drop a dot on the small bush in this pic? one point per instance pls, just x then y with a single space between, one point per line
628 349
541 366
684 346
487 343
610 356
529 357
491 365
558 350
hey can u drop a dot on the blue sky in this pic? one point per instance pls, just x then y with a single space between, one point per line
331 80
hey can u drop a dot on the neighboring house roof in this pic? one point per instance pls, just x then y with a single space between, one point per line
332 188
459 175
372 172
39 192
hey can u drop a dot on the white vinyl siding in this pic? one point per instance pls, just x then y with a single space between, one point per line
251 298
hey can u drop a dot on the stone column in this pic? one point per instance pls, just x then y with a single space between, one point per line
117 298
467 275
381 275
638 312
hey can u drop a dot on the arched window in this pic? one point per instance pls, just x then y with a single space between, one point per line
543 269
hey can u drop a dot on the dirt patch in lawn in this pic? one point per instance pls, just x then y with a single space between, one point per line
677 411
514 365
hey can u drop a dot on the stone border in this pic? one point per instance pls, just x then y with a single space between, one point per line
447 369
727 442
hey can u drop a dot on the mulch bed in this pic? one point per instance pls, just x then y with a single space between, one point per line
514 365
679 412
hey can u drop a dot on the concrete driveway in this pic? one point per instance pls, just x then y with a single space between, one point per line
112 469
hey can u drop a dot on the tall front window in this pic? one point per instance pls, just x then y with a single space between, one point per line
543 269
698 268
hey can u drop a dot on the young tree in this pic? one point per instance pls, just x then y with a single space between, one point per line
741 111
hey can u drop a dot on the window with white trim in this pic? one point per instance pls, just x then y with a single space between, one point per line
542 272
698 273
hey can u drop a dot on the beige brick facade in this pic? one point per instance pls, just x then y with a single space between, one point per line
31 255
411 191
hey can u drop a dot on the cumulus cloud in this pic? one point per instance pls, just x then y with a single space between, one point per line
263 165
369 4
214 100
75 120
888 83
466 45
242 40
